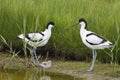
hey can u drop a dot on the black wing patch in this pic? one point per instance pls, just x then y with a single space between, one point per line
27 37
41 33
103 39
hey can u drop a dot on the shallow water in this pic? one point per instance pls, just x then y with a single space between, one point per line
33 75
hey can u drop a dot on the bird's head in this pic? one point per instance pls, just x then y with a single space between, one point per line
50 25
82 22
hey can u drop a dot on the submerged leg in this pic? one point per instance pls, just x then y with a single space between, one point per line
35 56
93 60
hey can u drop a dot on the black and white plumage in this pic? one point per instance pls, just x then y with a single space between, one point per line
92 40
37 39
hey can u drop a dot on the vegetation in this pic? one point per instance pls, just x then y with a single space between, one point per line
23 16
17 67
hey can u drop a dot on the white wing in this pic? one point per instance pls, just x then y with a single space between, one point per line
35 36
94 39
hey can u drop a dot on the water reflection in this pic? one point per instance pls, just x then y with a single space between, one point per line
22 75
45 78
46 64
32 75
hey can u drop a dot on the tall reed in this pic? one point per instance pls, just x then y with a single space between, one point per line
100 15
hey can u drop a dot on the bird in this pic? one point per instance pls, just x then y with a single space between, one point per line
37 39
92 40
46 64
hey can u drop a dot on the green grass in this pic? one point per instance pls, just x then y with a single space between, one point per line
22 16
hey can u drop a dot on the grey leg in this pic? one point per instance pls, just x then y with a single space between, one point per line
93 60
35 57
95 54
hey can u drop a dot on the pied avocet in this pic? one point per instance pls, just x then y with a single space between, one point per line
92 40
37 39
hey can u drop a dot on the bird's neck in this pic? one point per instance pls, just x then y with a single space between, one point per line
83 29
49 28
48 31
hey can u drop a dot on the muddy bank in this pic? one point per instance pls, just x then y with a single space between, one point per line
77 69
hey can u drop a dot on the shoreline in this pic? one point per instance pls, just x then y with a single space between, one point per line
72 68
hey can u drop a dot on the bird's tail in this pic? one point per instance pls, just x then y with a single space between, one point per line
21 36
108 44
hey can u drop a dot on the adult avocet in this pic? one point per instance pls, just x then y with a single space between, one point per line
92 40
37 39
